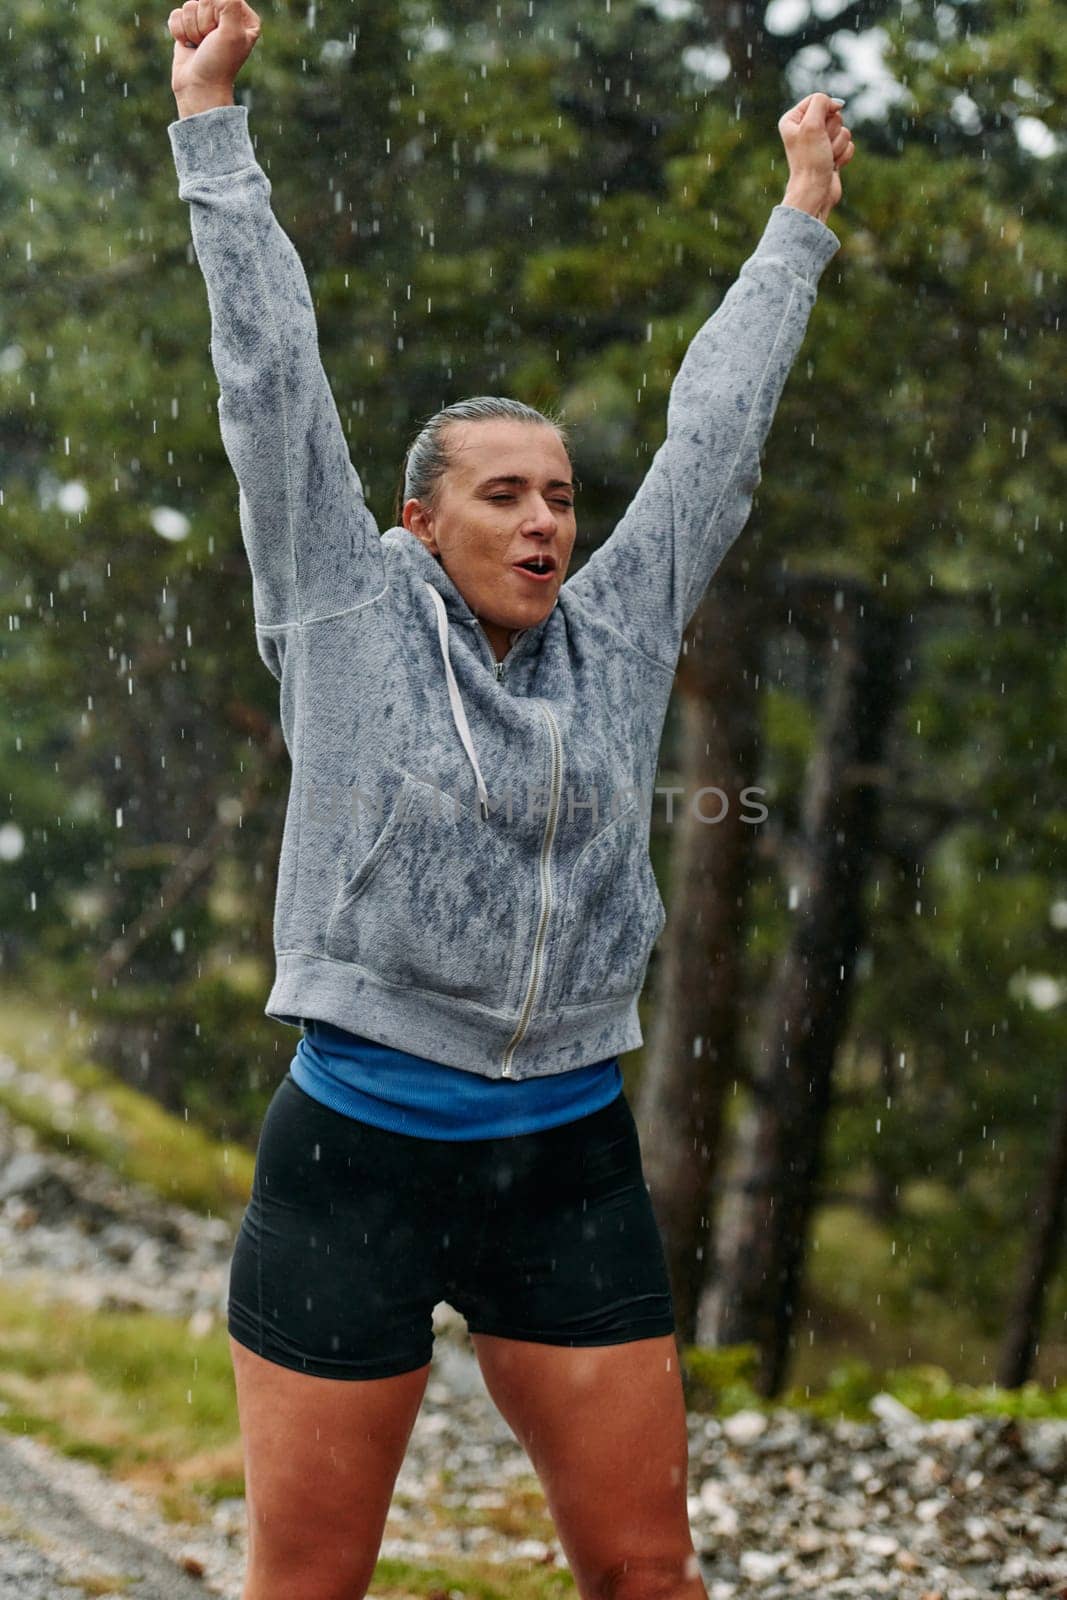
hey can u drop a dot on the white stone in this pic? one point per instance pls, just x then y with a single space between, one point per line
744 1426
532 1549
759 1564
889 1409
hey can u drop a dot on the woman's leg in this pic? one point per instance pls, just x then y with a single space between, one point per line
569 1307
333 1281
321 1461
605 1430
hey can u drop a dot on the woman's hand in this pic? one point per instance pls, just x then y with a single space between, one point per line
212 41
817 145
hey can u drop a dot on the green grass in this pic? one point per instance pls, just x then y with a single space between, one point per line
147 1145
471 1580
135 1392
718 1382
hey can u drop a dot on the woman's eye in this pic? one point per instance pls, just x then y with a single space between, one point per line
564 505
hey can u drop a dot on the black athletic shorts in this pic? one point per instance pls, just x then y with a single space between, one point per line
354 1233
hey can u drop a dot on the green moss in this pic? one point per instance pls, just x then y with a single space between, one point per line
147 1144
718 1382
471 1580
81 1379
15 1419
719 1379
101 1455
105 1583
222 1487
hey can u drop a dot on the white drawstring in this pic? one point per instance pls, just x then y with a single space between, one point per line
459 716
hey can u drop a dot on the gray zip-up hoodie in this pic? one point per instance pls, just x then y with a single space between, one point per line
464 868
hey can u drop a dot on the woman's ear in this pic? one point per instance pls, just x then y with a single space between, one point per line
419 521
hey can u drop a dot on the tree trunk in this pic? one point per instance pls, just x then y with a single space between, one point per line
780 1144
1046 1240
689 1063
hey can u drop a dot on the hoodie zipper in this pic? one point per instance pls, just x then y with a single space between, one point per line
546 893
546 879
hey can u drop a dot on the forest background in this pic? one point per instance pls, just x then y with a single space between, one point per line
853 1091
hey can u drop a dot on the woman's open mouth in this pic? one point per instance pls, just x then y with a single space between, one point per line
540 568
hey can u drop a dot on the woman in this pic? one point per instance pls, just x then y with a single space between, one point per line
465 904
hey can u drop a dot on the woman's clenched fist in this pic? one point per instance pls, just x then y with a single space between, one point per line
817 145
212 41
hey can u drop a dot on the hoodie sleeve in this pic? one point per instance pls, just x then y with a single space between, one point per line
311 540
648 577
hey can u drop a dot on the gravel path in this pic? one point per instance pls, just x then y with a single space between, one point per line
781 1506
66 1533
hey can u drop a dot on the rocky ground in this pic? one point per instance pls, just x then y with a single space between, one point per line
781 1506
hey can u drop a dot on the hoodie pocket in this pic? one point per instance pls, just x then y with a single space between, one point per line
430 905
612 916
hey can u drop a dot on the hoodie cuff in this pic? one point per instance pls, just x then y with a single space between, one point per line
800 241
211 143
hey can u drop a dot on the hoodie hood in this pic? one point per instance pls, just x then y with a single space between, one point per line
451 606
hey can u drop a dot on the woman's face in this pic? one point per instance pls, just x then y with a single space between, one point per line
508 496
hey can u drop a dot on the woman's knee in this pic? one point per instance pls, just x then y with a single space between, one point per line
276 1580
643 1577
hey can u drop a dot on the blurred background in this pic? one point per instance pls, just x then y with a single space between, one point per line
853 1092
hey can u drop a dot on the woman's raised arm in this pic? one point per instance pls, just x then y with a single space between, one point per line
311 540
647 579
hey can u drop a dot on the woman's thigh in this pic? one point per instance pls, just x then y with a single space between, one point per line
605 1429
321 1461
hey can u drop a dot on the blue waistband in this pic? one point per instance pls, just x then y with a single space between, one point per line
411 1094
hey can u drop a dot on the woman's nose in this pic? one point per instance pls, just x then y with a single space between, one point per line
543 519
